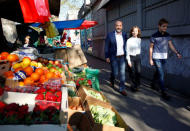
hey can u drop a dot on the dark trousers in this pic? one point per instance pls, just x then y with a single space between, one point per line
135 70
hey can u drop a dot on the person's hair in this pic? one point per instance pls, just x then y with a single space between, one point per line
139 31
27 37
118 21
162 21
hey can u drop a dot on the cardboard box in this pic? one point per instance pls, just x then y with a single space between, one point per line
61 54
11 83
81 93
4 66
75 101
76 56
122 126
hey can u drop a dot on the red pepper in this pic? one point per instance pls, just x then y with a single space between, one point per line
52 90
1 91
40 91
2 105
50 97
58 93
39 97
59 99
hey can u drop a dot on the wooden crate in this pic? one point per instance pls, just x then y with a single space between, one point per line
81 93
122 126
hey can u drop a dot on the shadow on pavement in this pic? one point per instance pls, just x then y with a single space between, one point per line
144 110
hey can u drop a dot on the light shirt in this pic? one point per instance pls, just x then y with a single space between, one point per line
160 41
120 43
133 47
25 45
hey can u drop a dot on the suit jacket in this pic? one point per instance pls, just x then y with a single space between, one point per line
111 45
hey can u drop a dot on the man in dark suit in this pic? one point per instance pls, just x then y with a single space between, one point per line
115 54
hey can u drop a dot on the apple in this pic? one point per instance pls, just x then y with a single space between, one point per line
57 62
60 65
52 69
51 62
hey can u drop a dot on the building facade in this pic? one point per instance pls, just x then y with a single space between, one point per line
146 14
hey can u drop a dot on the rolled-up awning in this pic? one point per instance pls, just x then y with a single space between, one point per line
71 24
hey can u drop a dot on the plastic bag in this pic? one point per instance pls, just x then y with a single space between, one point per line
35 10
92 74
51 30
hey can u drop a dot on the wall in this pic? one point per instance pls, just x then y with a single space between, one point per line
145 14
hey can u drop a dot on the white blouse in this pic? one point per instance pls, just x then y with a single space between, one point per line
133 47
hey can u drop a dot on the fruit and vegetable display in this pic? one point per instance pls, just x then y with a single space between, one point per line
94 94
103 115
45 79
19 114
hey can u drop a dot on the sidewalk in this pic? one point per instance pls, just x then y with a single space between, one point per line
144 110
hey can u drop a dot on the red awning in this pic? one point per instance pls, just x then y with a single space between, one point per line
85 25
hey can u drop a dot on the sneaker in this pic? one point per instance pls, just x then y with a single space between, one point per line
123 93
165 96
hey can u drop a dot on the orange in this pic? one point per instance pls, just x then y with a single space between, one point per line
49 75
28 81
42 79
21 83
12 58
9 74
35 76
39 71
28 70
4 55
18 69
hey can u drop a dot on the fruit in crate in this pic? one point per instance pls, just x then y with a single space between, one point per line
40 65
57 62
39 71
1 91
26 62
16 65
52 69
51 62
28 81
12 58
28 70
21 83
43 79
4 55
49 75
18 69
35 76
34 63
9 74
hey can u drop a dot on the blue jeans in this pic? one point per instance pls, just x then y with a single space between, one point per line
118 67
159 74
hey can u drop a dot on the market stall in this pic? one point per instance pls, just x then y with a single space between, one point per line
35 89
43 93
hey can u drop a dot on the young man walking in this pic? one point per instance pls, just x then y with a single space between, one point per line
159 53
115 53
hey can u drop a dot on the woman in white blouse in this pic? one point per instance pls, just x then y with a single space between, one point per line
133 57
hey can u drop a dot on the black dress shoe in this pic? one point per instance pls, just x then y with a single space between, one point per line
165 96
